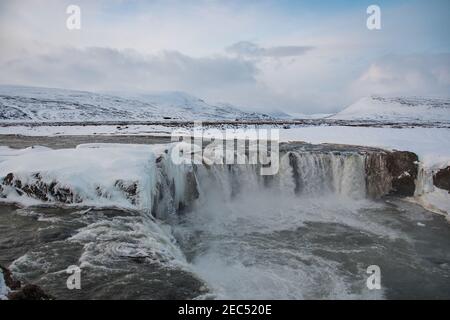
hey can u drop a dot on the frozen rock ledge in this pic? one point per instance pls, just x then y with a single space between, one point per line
143 177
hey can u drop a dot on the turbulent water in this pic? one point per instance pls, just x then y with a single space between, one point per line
310 232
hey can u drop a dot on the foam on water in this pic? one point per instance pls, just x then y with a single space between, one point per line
127 237
242 234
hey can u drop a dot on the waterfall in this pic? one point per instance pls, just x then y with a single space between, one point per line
301 174
350 174
146 178
318 173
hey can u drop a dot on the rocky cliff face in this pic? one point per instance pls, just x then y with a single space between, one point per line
441 179
403 168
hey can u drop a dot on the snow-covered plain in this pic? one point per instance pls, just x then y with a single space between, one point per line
79 130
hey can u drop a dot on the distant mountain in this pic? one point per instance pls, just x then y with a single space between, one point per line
280 115
397 109
59 105
310 116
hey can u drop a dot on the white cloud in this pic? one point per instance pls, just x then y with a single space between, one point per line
252 50
414 74
112 69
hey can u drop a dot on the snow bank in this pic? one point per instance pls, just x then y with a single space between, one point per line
94 174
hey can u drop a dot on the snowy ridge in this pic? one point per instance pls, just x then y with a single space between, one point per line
43 104
398 110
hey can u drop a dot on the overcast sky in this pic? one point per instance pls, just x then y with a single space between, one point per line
294 56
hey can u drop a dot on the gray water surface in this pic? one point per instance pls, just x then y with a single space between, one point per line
312 260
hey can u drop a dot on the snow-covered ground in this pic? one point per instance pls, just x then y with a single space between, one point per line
153 130
397 110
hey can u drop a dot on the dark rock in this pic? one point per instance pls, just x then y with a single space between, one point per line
130 189
8 179
403 168
19 292
10 282
442 179
41 190
29 292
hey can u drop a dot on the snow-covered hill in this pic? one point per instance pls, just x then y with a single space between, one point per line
397 110
43 104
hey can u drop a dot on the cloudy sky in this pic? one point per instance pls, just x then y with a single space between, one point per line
296 56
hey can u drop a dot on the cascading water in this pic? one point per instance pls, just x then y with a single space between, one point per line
244 233
328 173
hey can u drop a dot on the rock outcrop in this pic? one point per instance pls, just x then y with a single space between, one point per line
441 179
38 189
11 283
17 291
403 168
29 292
391 173
52 191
